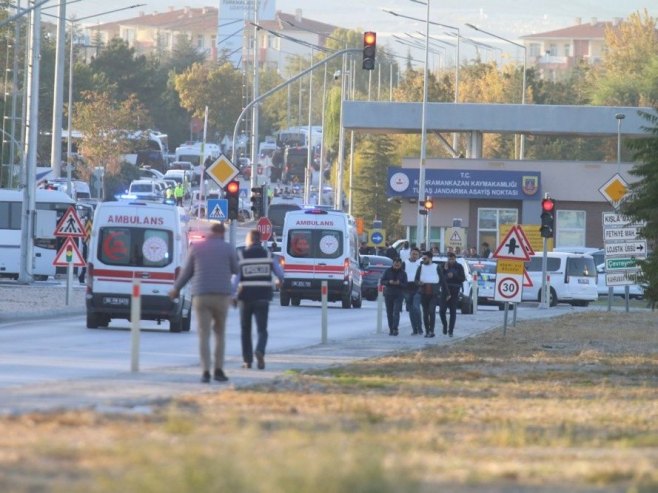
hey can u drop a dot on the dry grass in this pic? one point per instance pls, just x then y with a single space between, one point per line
568 404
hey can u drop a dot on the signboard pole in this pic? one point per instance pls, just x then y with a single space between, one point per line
544 264
611 293
626 296
505 319
69 282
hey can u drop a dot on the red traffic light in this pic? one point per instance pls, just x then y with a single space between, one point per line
233 187
548 205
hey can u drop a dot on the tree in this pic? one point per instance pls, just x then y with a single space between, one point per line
215 86
108 127
643 204
375 155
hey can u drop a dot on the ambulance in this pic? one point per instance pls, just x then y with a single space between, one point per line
320 245
137 240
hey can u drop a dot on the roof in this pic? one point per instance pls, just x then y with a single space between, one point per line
203 18
594 30
290 22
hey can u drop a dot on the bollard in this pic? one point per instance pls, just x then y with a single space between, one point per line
475 293
324 290
380 306
135 316
548 290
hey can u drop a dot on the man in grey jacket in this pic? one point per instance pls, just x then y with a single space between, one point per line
209 265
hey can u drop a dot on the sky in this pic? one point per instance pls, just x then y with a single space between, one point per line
507 18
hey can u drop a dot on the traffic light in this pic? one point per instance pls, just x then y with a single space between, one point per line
428 204
369 49
257 201
233 198
547 229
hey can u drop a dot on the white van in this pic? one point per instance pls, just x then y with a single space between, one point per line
573 278
137 239
320 245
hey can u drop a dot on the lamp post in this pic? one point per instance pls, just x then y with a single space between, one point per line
619 117
525 57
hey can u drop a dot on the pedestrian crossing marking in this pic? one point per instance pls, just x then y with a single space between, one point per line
217 213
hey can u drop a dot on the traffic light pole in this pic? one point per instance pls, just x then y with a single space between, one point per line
544 264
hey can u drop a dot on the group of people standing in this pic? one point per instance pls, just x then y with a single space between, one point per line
422 284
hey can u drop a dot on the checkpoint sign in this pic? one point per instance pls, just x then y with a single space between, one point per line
509 280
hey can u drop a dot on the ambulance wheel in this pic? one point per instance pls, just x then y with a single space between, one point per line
104 321
295 301
92 320
346 300
175 324
284 298
356 302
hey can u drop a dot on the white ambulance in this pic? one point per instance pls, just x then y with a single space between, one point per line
320 245
137 240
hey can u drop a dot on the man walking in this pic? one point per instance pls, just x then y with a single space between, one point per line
429 282
411 294
394 281
452 278
210 263
253 292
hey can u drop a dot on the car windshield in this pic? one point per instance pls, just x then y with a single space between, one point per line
141 187
483 268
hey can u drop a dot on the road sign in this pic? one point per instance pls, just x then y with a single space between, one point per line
620 263
515 267
508 288
218 209
633 248
614 220
70 225
622 278
614 190
376 237
456 237
264 226
527 282
513 246
532 235
69 255
621 234
222 171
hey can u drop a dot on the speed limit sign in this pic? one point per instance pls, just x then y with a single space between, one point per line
508 288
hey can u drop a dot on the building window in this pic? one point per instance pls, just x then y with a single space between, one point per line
570 228
535 50
552 50
490 221
199 41
567 50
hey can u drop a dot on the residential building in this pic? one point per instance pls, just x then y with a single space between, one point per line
554 53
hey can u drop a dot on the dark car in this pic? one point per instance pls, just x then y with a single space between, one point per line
372 269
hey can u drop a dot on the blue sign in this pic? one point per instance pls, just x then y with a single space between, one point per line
465 184
376 237
218 209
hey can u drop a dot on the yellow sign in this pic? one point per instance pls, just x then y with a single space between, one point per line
509 267
532 234
376 237
222 171
614 190
456 238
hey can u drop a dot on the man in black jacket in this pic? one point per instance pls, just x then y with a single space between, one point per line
254 292
394 281
452 280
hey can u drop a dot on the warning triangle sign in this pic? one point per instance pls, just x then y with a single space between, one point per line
527 282
513 246
70 225
217 213
528 246
69 254
455 237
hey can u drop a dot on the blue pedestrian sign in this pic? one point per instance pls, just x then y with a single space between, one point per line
218 209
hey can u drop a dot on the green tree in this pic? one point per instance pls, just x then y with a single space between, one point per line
643 204
215 86
375 155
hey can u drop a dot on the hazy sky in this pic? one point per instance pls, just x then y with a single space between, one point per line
507 18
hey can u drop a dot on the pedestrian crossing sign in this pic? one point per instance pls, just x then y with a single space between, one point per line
70 225
218 209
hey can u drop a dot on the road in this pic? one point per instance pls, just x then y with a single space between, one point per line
55 363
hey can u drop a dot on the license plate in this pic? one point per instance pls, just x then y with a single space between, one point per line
301 284
110 300
583 281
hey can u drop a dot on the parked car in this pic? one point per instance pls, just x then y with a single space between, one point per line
372 269
485 270
150 190
151 174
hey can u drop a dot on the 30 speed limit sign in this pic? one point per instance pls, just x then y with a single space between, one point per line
508 288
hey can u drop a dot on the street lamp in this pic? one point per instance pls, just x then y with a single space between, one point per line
525 57
619 117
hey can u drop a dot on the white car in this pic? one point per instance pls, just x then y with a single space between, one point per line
485 270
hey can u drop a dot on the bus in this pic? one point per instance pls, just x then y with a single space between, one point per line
50 207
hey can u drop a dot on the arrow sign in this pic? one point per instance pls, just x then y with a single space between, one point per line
632 248
69 255
70 225
513 246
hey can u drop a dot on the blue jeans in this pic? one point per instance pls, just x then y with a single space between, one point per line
393 309
412 301
259 309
